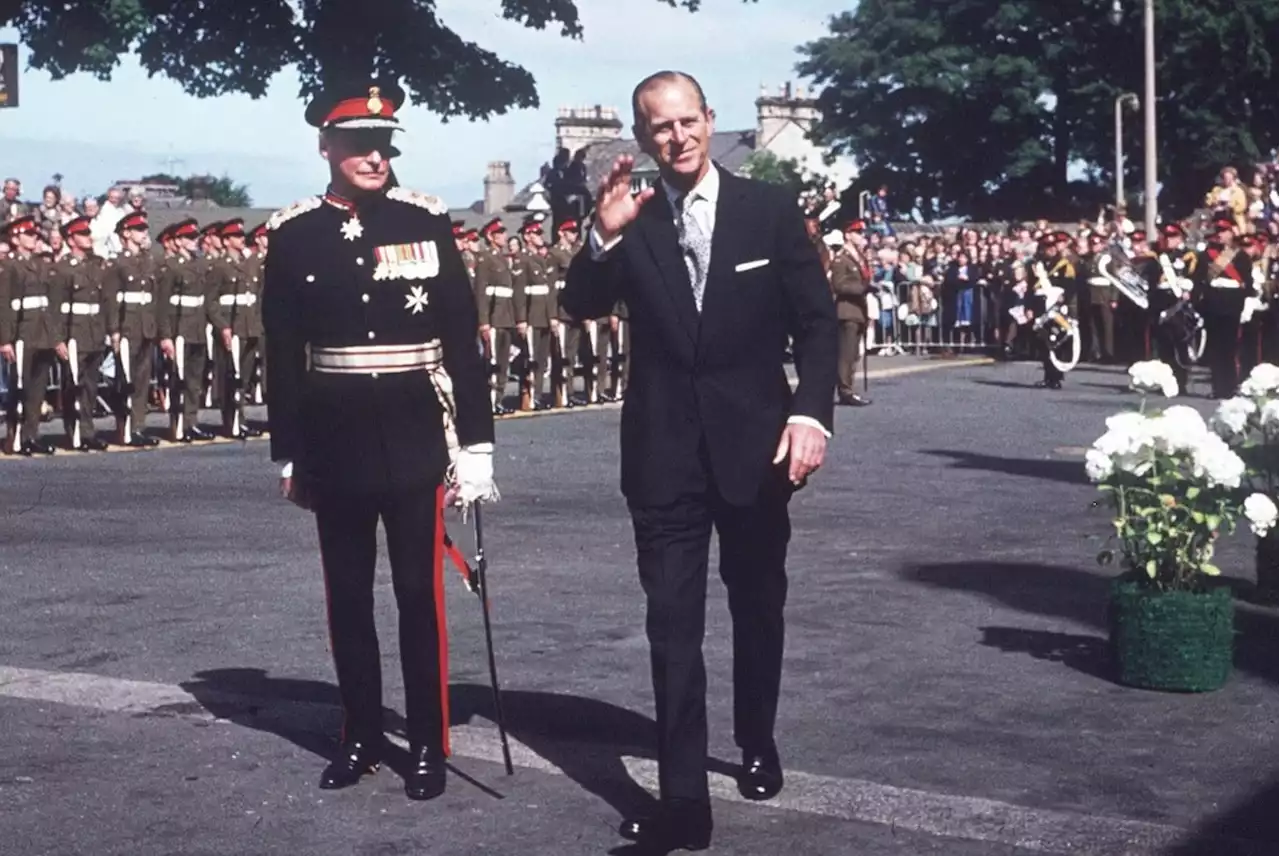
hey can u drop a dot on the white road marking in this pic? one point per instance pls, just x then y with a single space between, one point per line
950 815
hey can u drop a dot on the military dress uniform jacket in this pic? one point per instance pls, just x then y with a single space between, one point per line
32 309
81 306
849 283
1217 296
190 303
558 258
239 291
539 306
133 296
495 289
400 283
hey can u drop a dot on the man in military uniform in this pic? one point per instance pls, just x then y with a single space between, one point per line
850 278
1173 281
215 351
567 332
182 321
496 301
1061 275
1100 306
255 254
365 305
1227 281
1255 304
78 284
31 334
132 298
238 288
539 308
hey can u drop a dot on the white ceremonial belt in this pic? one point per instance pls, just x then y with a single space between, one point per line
135 297
1099 280
374 359
242 299
80 308
538 290
1225 282
499 291
37 301
190 301
559 284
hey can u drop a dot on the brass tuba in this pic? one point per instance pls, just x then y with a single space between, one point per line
1114 264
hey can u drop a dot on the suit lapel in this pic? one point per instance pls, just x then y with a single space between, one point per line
659 230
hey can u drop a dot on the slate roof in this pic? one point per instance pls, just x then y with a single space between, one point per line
159 218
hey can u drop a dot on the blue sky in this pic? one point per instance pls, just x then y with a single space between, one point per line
96 132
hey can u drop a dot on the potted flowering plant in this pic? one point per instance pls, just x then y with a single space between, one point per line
1250 423
1172 486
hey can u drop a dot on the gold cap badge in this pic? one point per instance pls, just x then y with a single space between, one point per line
374 103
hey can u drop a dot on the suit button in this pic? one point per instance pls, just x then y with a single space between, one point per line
365 298
311 277
371 335
359 260
374 375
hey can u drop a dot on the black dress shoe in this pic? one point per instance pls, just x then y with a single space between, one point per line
357 760
197 435
426 778
141 440
761 775
677 825
93 444
40 446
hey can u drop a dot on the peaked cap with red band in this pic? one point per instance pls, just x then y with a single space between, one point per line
568 226
492 227
258 231
134 220
211 229
187 228
233 228
76 226
21 225
356 106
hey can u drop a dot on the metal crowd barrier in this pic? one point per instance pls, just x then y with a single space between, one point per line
917 318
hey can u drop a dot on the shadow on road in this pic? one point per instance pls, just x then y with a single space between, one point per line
1071 472
1252 819
584 738
1087 654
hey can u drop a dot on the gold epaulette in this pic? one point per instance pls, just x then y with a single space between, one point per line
434 204
1064 267
1189 258
286 214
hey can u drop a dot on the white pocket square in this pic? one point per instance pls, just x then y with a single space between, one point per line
750 265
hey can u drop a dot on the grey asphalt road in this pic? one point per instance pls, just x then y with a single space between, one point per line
165 683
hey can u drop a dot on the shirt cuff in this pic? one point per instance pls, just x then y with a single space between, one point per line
811 422
599 249
286 471
479 448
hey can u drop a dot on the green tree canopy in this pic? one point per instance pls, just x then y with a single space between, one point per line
767 166
215 47
987 105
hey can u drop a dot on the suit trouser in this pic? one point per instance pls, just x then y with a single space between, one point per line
35 383
90 370
1102 324
852 336
672 543
348 529
1222 345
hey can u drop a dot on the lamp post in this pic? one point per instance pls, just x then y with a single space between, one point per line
1149 105
1126 99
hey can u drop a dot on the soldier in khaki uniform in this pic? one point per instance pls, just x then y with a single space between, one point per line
496 302
850 278
132 297
31 328
568 333
539 305
255 369
183 320
78 283
1102 301
238 291
210 252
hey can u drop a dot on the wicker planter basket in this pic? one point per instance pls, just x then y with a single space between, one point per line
1175 641
1266 567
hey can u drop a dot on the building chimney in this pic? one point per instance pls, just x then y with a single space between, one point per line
499 187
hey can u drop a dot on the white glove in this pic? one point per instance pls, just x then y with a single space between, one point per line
474 471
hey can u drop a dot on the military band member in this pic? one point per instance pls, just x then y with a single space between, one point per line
131 298
539 306
79 278
1253 314
189 310
1174 275
366 302
1102 300
568 338
32 327
1226 283
850 278
495 290
1060 275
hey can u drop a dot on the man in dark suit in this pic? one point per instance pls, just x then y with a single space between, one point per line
716 272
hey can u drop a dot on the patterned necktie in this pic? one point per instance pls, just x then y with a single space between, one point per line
695 245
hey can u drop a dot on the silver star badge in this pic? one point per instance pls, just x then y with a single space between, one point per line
352 229
416 300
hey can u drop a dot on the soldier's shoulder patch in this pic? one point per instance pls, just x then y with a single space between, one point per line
287 213
434 204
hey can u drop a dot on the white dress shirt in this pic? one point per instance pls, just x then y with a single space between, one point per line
703 199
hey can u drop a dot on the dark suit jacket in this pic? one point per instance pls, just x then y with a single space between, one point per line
711 386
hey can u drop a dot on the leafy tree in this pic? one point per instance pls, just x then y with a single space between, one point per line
767 166
214 47
987 105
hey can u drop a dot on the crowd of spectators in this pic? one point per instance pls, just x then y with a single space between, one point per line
57 207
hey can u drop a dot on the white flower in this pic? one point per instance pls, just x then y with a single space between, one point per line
1261 511
1098 465
1178 429
1271 415
1128 443
1213 461
1262 381
1152 375
1232 416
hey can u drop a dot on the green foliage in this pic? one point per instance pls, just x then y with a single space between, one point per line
986 103
215 47
767 166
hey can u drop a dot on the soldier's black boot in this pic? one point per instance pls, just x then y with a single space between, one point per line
357 760
425 780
